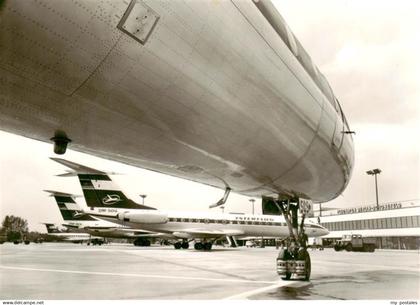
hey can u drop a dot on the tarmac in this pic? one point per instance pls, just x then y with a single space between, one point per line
63 271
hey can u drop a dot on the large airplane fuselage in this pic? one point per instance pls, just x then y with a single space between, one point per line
204 90
189 225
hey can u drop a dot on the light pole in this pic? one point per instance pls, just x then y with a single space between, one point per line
375 172
142 198
320 213
252 201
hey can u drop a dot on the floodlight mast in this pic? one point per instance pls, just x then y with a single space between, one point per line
375 172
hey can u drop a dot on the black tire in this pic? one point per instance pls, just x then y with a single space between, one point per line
287 276
198 246
337 248
284 255
303 255
185 245
207 246
308 267
146 243
177 245
349 248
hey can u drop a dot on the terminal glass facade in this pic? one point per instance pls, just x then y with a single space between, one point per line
385 242
374 224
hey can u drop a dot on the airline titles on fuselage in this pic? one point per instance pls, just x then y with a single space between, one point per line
253 218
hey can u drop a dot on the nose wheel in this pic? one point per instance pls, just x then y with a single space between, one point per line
291 263
293 258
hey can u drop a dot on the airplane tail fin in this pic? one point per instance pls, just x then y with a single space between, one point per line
51 228
98 188
69 209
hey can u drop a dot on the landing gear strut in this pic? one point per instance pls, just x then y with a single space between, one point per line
293 258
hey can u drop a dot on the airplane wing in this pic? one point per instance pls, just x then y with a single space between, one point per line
136 232
200 233
153 234
70 226
77 238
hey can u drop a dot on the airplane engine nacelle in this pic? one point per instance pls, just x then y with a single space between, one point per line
146 217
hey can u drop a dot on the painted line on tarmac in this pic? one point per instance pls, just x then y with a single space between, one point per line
175 277
247 294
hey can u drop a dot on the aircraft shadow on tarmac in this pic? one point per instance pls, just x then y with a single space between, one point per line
371 285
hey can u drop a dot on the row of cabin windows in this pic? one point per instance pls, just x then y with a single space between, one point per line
224 221
305 60
372 224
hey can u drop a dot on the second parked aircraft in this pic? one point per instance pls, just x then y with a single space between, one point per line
107 201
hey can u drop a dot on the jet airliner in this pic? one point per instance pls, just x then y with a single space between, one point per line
218 92
204 228
76 221
67 235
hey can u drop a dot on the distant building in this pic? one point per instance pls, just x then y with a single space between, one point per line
396 225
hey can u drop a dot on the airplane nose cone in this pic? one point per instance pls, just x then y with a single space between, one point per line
324 231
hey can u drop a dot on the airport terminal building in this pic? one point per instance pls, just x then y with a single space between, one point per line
395 225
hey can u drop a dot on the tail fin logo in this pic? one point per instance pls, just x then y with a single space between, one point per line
77 214
111 199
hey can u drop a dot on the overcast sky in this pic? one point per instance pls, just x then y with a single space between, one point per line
368 50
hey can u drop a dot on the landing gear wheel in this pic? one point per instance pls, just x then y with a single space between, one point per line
284 255
303 255
185 245
307 266
287 276
207 246
198 246
177 245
